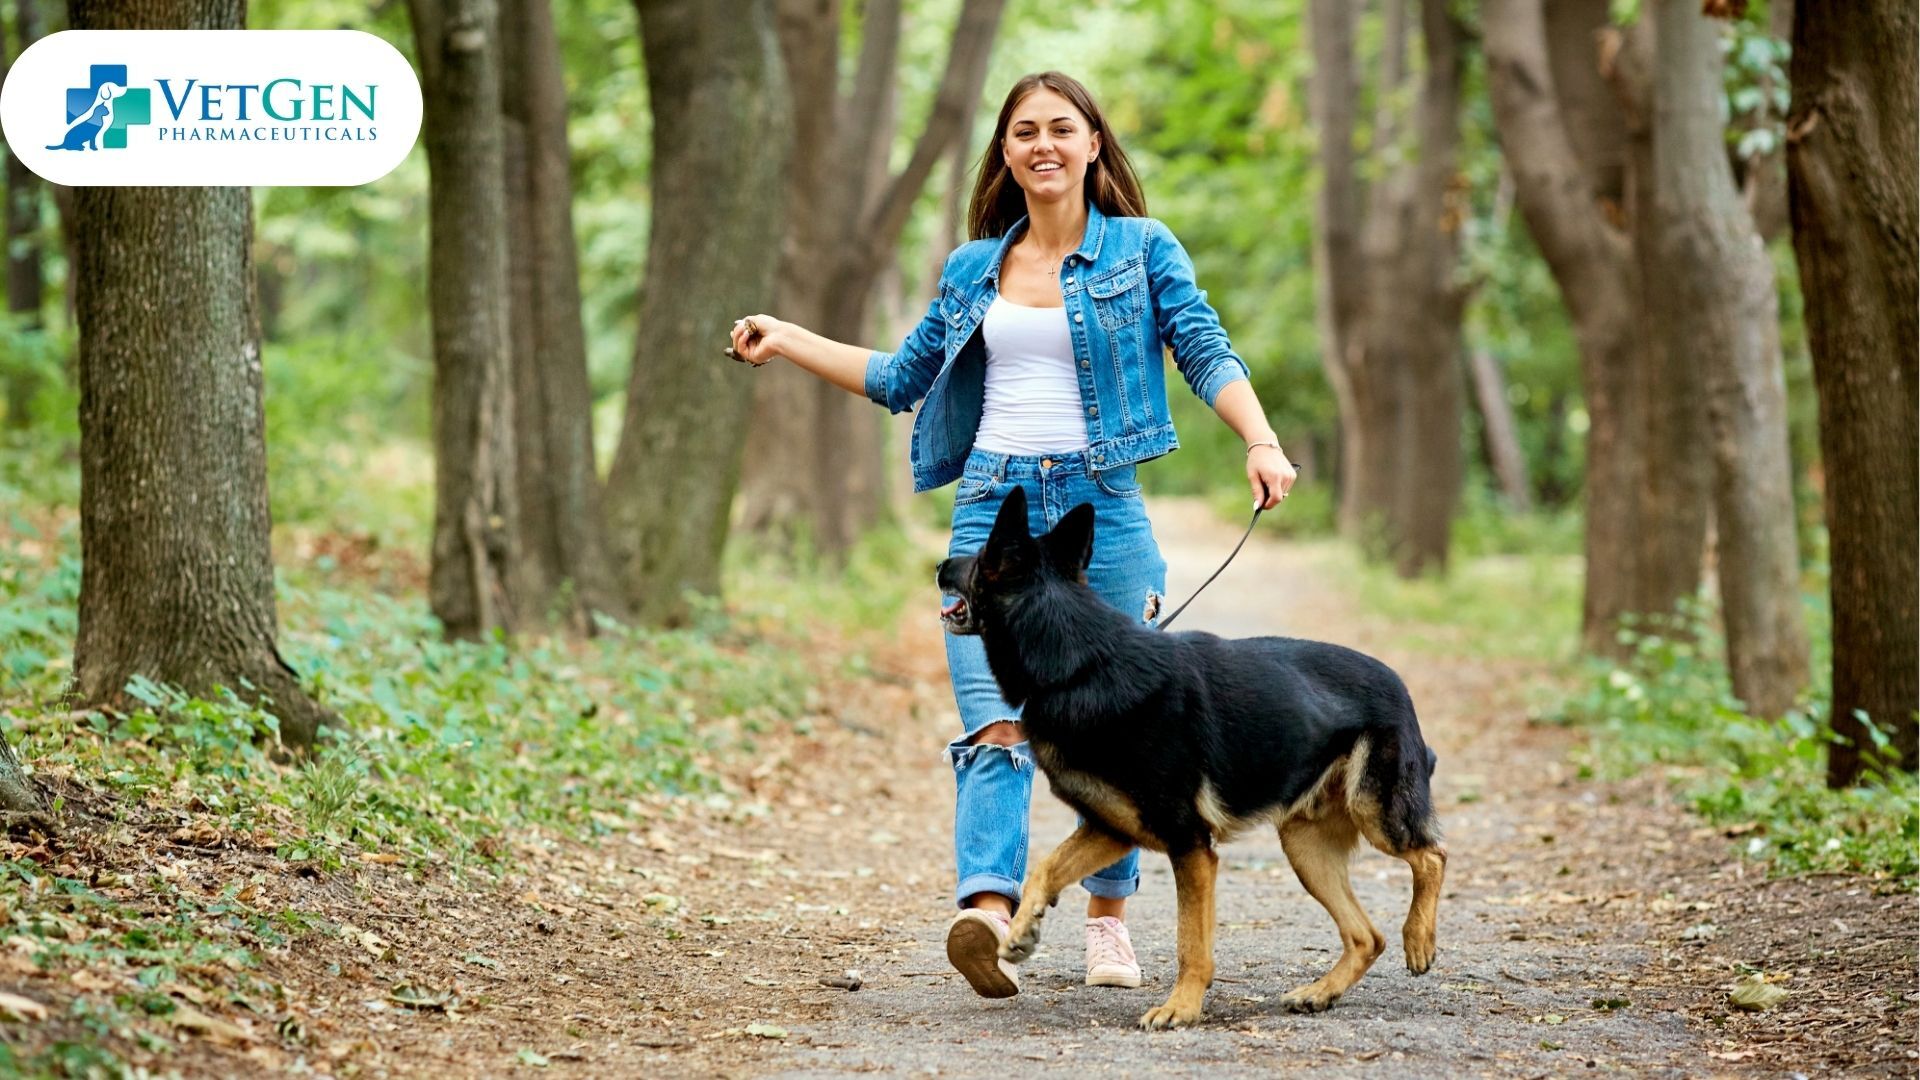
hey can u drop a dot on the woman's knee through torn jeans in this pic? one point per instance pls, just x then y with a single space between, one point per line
994 783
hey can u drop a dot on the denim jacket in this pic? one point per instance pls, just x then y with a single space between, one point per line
1129 291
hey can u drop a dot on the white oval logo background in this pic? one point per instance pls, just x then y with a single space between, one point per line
211 108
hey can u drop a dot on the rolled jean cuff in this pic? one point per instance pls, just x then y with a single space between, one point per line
1112 888
993 883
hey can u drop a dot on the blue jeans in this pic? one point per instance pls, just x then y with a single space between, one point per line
994 784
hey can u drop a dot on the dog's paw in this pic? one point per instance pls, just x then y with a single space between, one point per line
1311 998
1420 953
1170 1015
1023 938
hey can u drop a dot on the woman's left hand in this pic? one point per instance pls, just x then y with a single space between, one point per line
1270 474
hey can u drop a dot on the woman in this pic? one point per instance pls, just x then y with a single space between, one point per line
1040 365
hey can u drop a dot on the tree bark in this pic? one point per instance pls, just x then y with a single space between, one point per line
720 139
1338 270
1390 305
564 569
21 800
1675 481
1579 228
1498 439
1851 194
1726 324
813 452
475 526
174 525
1427 483
25 293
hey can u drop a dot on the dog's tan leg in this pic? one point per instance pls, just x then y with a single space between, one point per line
1194 873
1429 871
1077 856
1319 851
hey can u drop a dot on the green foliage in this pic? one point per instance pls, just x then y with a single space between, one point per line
1496 606
445 745
339 412
39 602
1672 705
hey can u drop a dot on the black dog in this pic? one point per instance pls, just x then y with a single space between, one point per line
1176 741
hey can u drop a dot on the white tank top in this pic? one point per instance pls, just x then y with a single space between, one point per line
1032 395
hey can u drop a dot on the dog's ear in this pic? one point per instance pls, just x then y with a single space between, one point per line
1070 544
1009 546
1012 519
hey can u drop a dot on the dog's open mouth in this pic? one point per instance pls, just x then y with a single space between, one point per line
958 617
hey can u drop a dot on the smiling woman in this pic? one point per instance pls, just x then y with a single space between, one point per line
1039 368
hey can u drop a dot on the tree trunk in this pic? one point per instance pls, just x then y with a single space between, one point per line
1675 481
813 451
564 569
1577 224
174 527
720 131
25 293
1851 193
1498 439
21 800
475 501
1764 184
1427 479
1389 303
1720 281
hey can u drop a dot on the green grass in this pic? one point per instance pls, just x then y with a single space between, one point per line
1671 707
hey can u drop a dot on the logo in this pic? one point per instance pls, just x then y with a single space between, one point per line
211 107
99 114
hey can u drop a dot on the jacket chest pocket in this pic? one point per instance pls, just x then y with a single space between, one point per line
1117 298
953 309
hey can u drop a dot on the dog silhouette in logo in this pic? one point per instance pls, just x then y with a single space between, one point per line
85 131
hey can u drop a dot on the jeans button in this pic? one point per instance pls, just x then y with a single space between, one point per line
1046 463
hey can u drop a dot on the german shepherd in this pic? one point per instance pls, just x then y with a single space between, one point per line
1176 741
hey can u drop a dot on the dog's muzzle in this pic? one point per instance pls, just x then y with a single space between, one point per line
957 617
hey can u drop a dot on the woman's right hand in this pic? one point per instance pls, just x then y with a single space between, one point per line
755 339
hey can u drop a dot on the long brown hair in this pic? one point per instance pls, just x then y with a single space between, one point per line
998 202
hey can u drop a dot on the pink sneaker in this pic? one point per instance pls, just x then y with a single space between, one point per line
973 947
1110 959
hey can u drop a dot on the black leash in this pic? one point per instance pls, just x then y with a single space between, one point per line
1168 621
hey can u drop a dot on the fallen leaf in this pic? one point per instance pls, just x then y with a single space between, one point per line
87 980
188 1018
1755 994
528 1057
414 997
766 1031
384 858
21 1008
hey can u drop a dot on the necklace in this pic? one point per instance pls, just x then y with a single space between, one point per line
1053 265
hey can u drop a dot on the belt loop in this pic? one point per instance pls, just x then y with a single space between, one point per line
1000 469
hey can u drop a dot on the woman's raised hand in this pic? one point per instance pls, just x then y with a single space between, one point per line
752 339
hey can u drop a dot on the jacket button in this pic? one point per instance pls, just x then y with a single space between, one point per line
1069 281
1093 410
1077 317
1085 364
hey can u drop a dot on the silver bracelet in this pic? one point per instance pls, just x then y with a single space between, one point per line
1269 442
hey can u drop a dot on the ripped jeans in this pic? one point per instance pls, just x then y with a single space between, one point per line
994 784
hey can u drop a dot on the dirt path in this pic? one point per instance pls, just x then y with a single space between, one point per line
693 941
